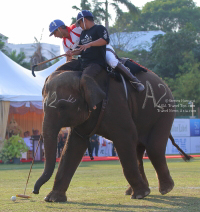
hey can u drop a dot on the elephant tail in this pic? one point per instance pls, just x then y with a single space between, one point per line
185 156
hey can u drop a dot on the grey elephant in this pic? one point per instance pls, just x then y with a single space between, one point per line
139 122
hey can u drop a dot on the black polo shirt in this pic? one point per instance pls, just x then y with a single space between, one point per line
94 54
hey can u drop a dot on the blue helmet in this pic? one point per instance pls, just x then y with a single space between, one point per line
54 26
82 14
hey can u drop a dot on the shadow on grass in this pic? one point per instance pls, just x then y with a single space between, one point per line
21 166
171 203
40 165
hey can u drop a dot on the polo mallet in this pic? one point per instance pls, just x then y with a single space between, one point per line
23 195
73 49
46 61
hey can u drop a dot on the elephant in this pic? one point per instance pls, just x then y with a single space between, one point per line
135 123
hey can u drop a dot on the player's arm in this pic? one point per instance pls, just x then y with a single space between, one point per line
99 42
67 52
71 53
68 58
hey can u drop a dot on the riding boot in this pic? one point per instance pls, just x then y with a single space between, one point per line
127 74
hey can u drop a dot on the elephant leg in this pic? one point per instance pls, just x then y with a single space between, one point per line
156 147
50 133
125 141
71 157
140 153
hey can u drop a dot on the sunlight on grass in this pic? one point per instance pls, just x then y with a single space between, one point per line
100 186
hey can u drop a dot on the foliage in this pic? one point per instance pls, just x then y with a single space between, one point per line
100 9
187 86
2 43
13 148
124 23
170 15
38 56
165 15
142 57
19 58
168 50
84 5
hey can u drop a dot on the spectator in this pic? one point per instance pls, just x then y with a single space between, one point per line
27 140
94 141
29 144
113 150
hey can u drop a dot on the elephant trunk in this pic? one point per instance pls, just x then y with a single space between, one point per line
50 147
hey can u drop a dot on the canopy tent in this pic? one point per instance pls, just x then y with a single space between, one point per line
19 90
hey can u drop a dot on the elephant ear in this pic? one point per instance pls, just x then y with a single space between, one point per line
92 91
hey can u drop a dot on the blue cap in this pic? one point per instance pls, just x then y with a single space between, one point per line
54 26
82 14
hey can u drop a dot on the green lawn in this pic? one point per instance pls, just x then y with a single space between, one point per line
100 186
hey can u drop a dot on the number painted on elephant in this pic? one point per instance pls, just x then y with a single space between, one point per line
150 95
70 99
52 100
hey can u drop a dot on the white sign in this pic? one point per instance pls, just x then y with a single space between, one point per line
105 147
181 127
195 144
182 142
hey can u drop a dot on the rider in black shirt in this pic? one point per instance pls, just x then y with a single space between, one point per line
92 48
94 54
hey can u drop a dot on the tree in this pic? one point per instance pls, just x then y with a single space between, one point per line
19 58
101 12
84 5
165 15
167 51
124 23
169 15
38 56
131 8
95 8
2 43
186 86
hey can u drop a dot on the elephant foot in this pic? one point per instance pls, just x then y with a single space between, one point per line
166 187
55 196
129 191
140 194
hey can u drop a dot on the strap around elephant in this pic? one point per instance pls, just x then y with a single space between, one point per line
103 107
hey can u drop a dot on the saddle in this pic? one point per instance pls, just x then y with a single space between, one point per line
133 66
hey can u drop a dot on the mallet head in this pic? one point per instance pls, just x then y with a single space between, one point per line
33 67
23 196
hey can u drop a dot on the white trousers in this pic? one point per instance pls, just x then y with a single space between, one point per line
110 57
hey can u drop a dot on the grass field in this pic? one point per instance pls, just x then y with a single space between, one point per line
100 186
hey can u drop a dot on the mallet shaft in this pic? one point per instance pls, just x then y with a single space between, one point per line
32 163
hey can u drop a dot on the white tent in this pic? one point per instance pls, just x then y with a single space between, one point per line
18 87
18 84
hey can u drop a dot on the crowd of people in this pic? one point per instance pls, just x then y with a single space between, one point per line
99 145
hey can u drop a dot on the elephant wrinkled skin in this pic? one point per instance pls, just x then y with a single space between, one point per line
142 122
